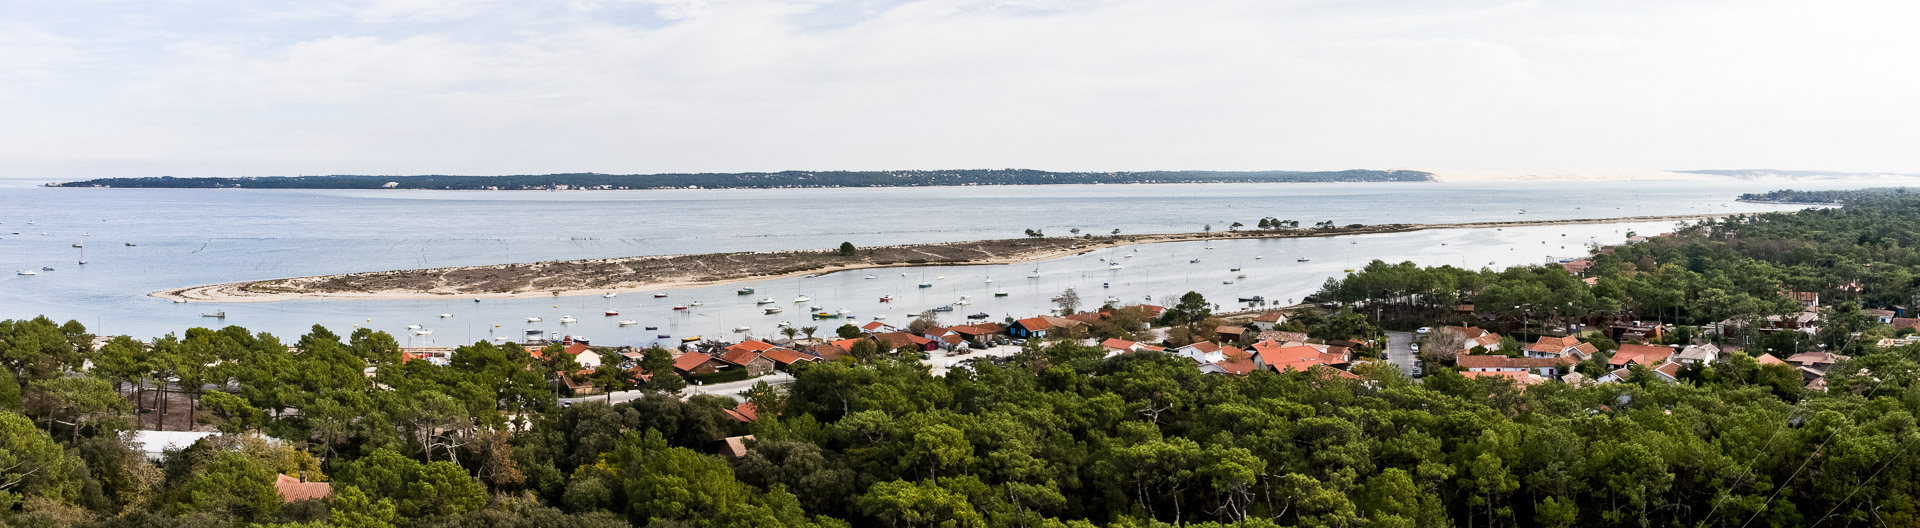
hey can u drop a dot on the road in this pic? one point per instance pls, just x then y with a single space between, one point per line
936 364
1400 351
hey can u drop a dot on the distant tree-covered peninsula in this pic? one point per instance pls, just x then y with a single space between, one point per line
753 180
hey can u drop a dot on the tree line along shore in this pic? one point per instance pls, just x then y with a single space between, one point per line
593 276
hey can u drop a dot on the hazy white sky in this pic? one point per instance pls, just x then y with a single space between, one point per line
258 87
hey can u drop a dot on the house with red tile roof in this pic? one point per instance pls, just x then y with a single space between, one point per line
1768 359
784 358
827 351
744 413
697 363
1905 323
1643 355
1548 367
1116 347
1230 333
1473 336
905 341
1037 327
874 327
584 355
1282 357
1236 362
298 489
1554 347
756 363
734 446
1201 352
1267 321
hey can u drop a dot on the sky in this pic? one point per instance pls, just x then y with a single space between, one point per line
92 88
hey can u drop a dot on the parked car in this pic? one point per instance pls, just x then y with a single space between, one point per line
1422 330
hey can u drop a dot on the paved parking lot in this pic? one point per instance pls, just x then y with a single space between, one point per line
1400 351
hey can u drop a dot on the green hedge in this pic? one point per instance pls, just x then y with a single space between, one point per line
719 377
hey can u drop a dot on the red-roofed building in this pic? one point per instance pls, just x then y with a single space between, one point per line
1643 355
1267 321
735 446
756 363
1036 327
1768 359
828 351
697 363
1283 357
744 413
1201 352
1906 323
1119 346
874 327
1555 347
1152 310
1236 361
903 340
295 489
1549 367
784 358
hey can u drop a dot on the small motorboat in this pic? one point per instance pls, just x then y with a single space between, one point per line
46 268
743 291
1034 275
423 332
1226 282
1258 257
628 322
130 244
741 328
659 295
533 319
1001 293
872 277
926 285
77 244
989 280
446 316
696 303
942 277
611 295
1114 266
962 302
814 308
824 315
1302 259
1112 299
879 318
943 308
768 300
179 301
662 336
886 298
679 307
802 299
654 328
1240 276
845 312
1105 285
782 324
1233 269
691 339
770 310
568 320
216 315
981 315
1055 298
1253 299
27 272
611 313
413 327
1194 261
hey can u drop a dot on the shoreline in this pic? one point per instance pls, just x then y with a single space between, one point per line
625 275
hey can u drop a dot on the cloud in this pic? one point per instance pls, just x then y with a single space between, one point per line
483 87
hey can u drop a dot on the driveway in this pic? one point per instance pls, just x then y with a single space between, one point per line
1400 351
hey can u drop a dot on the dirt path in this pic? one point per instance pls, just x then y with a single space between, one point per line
653 273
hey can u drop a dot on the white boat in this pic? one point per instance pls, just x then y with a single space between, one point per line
989 280
962 302
422 332
801 299
844 312
879 318
533 319
216 315
942 277
413 327
179 301
768 300
774 310
611 295
741 329
446 316
782 324
568 320
1112 300
1114 266
627 322
28 272
872 277
1035 274
695 303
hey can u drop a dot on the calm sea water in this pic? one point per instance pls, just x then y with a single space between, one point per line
189 237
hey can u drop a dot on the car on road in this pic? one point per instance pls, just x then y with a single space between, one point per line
1423 330
1415 347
